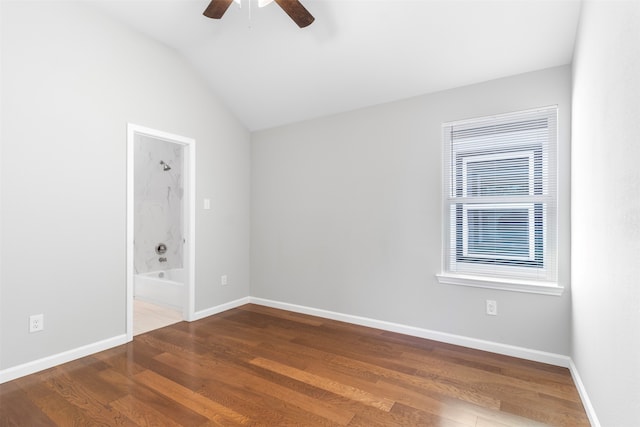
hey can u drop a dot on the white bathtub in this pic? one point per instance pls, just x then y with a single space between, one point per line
164 287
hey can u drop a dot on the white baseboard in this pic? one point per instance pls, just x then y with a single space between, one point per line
586 402
219 308
60 358
493 347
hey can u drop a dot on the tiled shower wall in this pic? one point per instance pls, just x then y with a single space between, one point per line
158 204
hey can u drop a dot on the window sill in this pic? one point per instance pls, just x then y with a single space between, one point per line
527 286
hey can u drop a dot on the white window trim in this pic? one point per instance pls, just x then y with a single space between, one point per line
503 284
506 283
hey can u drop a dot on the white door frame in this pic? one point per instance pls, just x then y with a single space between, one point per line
189 200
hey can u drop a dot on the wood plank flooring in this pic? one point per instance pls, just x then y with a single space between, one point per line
258 366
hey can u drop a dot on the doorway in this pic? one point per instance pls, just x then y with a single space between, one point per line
160 226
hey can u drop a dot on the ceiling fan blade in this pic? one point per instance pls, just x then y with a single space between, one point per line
296 11
217 8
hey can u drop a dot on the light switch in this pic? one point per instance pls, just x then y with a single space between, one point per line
207 204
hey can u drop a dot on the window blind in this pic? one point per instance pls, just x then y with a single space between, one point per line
500 197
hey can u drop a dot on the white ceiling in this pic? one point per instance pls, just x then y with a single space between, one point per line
357 53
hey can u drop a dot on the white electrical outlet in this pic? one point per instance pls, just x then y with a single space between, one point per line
492 307
36 322
224 280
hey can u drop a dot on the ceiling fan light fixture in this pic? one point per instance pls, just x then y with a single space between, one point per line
293 8
261 3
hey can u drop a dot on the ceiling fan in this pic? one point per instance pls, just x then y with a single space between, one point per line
293 8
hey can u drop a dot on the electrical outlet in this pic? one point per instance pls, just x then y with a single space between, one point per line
224 280
492 307
36 322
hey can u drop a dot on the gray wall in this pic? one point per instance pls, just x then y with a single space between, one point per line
346 215
71 80
606 206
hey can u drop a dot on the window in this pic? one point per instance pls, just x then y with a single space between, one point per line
500 202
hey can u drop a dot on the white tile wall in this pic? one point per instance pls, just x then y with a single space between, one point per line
158 204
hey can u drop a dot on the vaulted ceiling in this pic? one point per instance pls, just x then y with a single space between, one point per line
357 53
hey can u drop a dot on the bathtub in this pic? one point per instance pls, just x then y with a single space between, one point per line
163 287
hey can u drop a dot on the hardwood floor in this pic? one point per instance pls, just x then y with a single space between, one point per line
259 366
